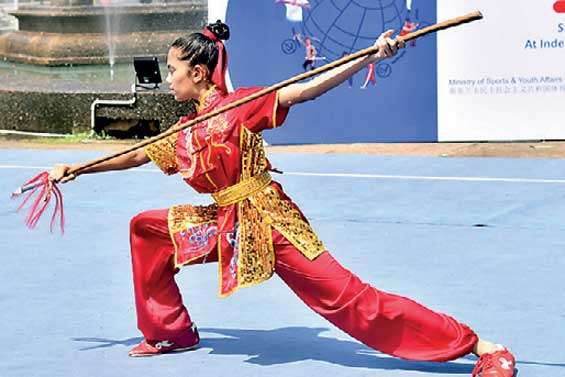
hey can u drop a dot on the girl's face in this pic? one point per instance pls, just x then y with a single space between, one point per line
184 81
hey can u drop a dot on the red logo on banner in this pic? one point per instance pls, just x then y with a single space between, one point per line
559 6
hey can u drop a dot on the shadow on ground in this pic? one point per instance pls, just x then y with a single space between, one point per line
294 344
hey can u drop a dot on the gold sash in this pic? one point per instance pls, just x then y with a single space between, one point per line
242 190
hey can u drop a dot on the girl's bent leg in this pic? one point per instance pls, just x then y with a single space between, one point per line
386 322
160 312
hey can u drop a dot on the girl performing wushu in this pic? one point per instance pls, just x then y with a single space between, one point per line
254 229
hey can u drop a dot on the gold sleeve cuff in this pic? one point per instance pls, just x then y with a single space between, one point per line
164 154
275 109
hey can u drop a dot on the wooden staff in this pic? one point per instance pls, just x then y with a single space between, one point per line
473 16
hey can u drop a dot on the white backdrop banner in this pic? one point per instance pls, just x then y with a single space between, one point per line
502 78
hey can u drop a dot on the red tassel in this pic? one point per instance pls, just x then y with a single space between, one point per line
47 189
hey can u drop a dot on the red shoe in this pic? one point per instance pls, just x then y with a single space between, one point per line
186 342
500 363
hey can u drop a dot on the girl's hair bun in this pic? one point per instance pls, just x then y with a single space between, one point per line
220 30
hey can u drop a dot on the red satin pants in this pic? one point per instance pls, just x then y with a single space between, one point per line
386 322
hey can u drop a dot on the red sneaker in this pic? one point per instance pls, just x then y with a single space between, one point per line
500 363
186 342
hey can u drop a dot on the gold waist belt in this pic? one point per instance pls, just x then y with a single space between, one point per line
242 190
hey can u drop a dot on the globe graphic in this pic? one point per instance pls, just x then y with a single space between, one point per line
268 46
345 26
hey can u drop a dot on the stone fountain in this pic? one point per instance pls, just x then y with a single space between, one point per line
69 32
61 59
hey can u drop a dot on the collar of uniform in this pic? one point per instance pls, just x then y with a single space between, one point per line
207 98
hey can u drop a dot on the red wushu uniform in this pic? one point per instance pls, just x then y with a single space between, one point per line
254 230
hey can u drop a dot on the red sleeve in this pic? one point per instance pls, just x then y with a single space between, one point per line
262 113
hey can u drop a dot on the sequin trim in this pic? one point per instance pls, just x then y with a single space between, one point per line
256 260
284 217
260 213
182 217
206 98
163 154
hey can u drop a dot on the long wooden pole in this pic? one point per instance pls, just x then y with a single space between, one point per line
346 59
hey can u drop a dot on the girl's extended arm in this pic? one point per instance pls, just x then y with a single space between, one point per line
59 173
307 91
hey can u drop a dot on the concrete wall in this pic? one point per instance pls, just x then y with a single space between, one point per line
69 112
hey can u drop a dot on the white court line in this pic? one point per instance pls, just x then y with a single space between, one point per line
359 175
430 178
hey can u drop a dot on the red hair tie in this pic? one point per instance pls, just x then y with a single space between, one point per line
219 74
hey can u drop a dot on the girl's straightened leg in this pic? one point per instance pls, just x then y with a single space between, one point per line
386 322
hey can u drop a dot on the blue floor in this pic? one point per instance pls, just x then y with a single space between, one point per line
489 252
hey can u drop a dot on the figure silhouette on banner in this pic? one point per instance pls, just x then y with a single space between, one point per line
311 51
294 9
408 28
370 78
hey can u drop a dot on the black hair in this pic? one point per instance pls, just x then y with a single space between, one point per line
199 49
